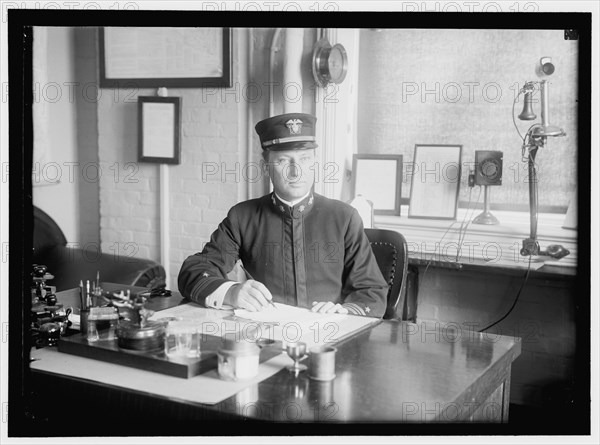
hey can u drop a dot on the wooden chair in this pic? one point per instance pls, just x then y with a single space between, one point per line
391 252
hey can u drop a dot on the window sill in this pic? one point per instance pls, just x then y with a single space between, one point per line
496 245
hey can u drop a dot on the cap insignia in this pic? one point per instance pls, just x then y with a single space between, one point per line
294 125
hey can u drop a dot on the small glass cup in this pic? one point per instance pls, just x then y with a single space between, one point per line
92 334
182 339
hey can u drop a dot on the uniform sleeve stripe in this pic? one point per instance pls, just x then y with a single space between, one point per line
354 308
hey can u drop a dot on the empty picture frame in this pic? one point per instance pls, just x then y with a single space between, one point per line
159 129
171 57
378 178
435 181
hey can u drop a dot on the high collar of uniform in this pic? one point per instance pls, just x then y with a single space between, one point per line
296 211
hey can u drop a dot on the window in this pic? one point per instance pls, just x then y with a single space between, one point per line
457 86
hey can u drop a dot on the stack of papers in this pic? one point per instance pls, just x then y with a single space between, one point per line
284 323
290 324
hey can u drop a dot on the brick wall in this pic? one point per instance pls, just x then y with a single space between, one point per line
217 130
129 191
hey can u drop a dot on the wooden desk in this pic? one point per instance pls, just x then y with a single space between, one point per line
395 372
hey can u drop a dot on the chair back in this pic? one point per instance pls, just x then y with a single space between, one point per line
391 252
46 233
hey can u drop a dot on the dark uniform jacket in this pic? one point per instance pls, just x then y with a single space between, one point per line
314 251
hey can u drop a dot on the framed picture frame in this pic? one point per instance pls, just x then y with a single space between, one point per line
435 181
378 178
159 129
171 57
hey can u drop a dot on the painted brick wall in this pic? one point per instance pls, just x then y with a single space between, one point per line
217 128
129 191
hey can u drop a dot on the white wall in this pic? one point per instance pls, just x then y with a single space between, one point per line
55 180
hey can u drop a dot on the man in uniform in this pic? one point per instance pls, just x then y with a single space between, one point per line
298 247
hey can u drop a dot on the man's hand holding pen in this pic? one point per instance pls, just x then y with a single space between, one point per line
251 295
254 296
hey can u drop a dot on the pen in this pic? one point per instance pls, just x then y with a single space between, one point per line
88 301
81 295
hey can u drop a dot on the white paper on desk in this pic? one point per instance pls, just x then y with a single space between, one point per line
284 313
189 311
289 323
206 388
292 324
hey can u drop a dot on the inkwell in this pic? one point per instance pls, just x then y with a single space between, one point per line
135 331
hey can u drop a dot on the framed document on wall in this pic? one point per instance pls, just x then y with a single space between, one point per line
435 181
159 129
171 57
378 178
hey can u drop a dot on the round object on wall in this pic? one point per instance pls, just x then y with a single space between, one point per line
329 63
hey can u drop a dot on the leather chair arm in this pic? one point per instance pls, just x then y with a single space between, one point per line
69 265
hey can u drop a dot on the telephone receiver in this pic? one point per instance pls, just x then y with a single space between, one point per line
555 251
